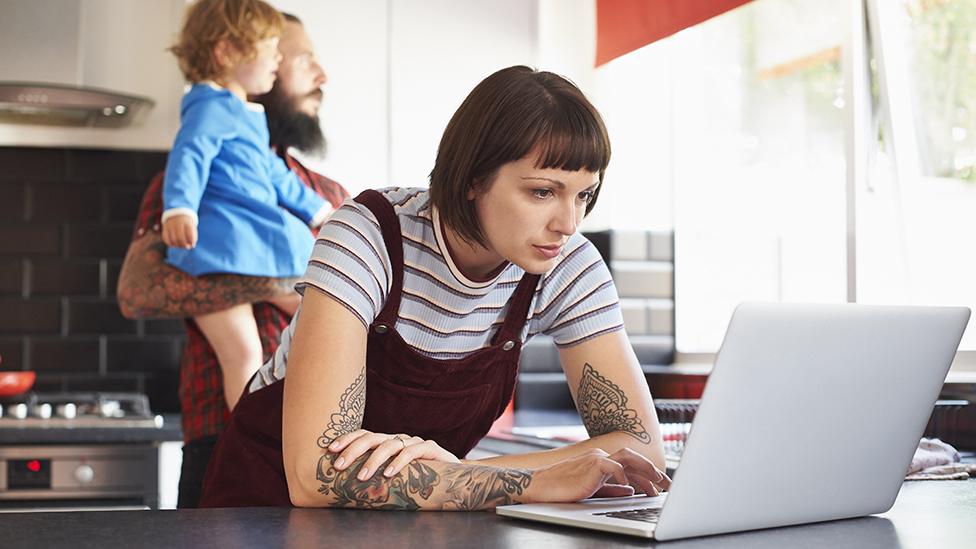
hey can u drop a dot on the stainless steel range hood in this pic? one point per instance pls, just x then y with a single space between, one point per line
63 105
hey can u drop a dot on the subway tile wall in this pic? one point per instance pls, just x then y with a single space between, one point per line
65 220
642 265
66 216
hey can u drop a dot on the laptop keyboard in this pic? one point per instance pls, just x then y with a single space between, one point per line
649 514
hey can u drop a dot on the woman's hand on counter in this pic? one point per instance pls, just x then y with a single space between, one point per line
596 474
402 448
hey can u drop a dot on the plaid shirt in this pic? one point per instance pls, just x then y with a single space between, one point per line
201 388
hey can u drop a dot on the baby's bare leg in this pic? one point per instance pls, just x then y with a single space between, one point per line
287 303
233 334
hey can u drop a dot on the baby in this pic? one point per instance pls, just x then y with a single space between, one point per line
230 205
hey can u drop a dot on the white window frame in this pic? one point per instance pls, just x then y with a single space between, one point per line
873 26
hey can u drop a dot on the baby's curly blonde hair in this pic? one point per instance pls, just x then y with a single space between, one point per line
242 23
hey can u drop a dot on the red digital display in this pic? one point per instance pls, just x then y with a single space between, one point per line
28 474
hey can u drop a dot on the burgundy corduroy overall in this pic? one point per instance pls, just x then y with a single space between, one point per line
453 402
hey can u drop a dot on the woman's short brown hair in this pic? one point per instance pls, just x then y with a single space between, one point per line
513 113
242 23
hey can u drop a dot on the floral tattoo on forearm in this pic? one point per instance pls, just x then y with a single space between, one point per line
465 487
603 407
388 494
349 418
477 487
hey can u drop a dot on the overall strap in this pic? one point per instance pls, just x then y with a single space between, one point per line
518 311
390 227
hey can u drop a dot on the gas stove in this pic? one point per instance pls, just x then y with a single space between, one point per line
78 451
78 410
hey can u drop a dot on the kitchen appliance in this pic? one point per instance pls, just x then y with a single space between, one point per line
72 62
15 383
78 451
63 105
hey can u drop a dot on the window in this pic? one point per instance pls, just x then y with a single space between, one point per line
748 126
753 125
917 207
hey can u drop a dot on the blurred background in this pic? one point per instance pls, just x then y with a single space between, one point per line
799 150
775 150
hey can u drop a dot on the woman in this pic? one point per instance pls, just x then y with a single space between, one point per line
415 307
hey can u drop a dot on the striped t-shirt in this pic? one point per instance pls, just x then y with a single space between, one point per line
444 314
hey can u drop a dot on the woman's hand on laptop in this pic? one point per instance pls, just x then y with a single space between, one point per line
644 476
596 474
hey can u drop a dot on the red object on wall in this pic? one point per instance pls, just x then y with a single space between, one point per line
623 26
15 383
505 422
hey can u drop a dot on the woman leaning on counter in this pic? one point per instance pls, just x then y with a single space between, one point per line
416 305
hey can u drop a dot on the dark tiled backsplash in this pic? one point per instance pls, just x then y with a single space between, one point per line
65 220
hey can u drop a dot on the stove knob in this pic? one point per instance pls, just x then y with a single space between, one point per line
110 408
68 410
43 411
19 410
84 474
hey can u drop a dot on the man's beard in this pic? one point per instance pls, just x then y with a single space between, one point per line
290 127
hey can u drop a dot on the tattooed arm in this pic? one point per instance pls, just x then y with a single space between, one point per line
613 400
422 484
150 288
325 397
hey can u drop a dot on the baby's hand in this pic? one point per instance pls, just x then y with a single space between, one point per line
180 231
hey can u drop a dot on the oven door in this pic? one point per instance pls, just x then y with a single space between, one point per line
79 477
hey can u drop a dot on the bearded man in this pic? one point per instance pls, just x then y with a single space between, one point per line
149 288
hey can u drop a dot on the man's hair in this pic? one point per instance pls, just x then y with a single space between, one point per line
241 23
513 113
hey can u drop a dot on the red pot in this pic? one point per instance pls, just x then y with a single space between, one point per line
15 383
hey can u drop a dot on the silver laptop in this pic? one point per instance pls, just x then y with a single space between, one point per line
811 413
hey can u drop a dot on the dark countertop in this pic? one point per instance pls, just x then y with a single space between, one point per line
170 431
927 514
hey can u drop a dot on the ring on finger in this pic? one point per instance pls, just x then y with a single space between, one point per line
402 441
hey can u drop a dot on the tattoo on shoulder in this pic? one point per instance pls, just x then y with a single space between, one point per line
603 407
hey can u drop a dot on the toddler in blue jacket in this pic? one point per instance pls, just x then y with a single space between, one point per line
230 205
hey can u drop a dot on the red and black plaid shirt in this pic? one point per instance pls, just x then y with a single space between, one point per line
201 389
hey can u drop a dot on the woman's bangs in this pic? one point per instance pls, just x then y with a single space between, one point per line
573 143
